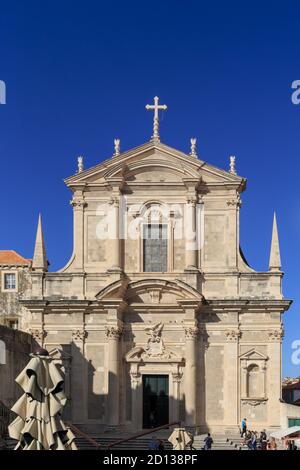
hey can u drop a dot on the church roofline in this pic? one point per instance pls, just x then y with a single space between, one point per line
119 160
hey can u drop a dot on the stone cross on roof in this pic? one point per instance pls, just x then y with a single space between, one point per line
156 107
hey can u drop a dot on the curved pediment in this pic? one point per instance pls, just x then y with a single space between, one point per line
150 291
156 166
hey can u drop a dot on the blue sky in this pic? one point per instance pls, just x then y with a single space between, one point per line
79 74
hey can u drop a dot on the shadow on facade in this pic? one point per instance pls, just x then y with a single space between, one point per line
137 405
15 347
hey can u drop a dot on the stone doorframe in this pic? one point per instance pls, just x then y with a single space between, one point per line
140 365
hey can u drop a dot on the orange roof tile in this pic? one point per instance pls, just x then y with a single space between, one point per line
13 258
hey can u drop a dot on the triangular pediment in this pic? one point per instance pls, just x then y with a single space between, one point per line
153 162
253 354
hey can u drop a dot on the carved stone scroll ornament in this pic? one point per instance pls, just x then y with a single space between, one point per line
113 332
254 403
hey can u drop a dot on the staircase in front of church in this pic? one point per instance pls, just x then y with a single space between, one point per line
142 443
231 442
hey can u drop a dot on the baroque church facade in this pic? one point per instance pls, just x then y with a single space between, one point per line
157 316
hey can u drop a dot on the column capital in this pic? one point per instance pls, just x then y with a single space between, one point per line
191 332
276 335
177 376
114 201
38 334
234 203
191 199
114 332
233 335
135 378
79 335
78 203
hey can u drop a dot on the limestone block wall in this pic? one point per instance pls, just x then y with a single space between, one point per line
82 344
17 346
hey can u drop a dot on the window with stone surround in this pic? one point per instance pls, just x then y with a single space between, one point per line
9 281
155 248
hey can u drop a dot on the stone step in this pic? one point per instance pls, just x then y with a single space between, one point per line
142 443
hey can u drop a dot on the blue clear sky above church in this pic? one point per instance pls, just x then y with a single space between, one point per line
79 74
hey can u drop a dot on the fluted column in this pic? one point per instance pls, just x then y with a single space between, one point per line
190 383
113 334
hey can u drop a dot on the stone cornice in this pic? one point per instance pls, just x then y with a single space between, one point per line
282 304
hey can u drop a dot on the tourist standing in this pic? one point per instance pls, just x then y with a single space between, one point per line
243 427
263 440
272 445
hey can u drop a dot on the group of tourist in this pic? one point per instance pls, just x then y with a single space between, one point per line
251 439
255 442
261 442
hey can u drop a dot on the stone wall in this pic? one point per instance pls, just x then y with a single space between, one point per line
15 347
10 307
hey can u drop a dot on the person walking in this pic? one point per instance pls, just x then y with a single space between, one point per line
153 444
253 440
161 445
243 427
208 441
249 439
191 443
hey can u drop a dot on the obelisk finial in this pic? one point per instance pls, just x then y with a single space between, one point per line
156 107
80 164
117 143
40 262
275 261
193 151
232 169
